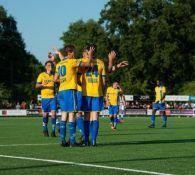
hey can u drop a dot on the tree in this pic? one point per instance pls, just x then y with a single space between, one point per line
82 33
17 66
156 36
188 88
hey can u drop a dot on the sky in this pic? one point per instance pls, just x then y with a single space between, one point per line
42 22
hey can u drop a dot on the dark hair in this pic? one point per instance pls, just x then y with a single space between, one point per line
69 48
85 49
49 62
50 54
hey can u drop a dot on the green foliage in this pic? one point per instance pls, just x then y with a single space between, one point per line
5 94
188 88
156 36
82 33
18 67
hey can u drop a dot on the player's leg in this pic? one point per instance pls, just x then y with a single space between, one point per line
164 117
121 119
96 105
53 116
80 125
72 128
86 107
111 116
94 126
122 113
58 123
63 128
164 120
64 116
53 123
79 117
86 127
45 109
153 117
45 123
116 120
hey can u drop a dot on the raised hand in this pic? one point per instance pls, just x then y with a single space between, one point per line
91 51
112 56
122 64
56 50
58 53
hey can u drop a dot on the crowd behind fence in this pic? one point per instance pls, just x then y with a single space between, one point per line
132 102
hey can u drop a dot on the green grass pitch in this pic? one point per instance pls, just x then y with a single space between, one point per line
132 146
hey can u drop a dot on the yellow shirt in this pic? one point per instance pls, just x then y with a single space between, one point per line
48 90
67 71
80 71
113 95
92 79
159 90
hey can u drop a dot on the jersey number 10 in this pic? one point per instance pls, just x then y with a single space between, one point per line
62 71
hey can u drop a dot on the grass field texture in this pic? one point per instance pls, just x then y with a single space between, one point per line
132 146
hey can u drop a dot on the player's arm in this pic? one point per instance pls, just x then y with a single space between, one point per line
104 84
56 75
107 98
121 93
90 60
40 85
120 90
113 68
61 56
79 74
163 95
123 99
155 92
56 78
103 74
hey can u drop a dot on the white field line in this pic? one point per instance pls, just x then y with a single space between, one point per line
31 144
84 165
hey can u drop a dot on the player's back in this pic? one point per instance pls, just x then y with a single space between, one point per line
66 69
92 79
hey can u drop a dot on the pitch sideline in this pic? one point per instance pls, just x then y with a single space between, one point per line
30 144
84 164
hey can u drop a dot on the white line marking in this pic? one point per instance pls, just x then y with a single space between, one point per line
85 165
36 144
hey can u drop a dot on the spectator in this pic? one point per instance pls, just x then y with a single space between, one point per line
23 105
31 105
18 105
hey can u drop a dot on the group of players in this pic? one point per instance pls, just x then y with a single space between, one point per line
82 86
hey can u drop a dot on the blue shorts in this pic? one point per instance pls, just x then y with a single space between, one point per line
92 103
79 100
67 100
48 104
158 106
113 110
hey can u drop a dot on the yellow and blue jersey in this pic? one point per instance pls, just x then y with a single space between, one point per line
67 71
92 79
80 71
113 95
48 90
159 92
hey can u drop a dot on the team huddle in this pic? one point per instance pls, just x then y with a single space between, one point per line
82 86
